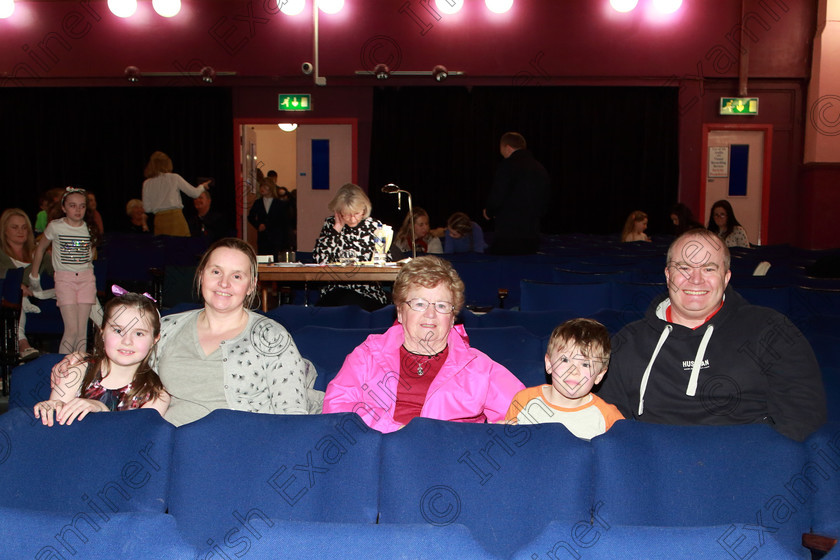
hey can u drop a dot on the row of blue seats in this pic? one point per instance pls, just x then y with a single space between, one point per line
584 298
234 484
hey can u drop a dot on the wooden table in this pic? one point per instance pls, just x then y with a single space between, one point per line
326 274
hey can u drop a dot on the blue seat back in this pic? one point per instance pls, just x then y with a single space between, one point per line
491 478
692 476
232 467
354 541
604 540
327 348
295 317
580 299
539 323
30 382
86 533
118 462
516 348
820 480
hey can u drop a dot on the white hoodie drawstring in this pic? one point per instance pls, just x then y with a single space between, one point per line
643 388
698 361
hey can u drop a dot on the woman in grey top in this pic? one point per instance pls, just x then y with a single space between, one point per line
226 356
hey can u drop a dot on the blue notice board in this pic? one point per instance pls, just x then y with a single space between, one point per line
739 157
321 164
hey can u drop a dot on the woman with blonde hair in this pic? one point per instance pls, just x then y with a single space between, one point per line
349 234
423 239
17 247
162 196
635 226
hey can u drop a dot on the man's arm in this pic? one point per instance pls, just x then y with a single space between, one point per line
796 395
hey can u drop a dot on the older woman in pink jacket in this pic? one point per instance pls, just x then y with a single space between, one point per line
423 366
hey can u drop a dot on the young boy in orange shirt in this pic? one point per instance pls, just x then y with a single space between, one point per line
577 359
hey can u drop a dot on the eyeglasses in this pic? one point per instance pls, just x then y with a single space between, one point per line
420 304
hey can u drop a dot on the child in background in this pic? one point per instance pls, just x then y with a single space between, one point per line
72 259
118 375
426 243
463 235
46 201
577 358
635 226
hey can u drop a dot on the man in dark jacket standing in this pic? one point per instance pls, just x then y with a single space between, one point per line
704 355
518 198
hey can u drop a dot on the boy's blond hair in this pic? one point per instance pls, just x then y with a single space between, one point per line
590 336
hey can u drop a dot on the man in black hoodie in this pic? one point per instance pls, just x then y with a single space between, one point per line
704 355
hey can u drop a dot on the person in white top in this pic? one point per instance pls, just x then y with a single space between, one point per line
161 196
72 240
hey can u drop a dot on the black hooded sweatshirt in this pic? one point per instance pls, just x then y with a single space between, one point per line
754 366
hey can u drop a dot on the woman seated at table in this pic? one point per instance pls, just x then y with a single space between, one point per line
226 356
349 234
423 366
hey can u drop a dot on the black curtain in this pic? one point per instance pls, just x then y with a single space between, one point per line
609 151
101 138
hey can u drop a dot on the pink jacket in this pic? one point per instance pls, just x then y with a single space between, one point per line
469 387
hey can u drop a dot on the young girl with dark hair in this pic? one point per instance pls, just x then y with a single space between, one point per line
117 376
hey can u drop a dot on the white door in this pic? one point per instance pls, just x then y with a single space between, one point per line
734 173
324 159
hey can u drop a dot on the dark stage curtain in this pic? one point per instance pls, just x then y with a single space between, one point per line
609 151
101 139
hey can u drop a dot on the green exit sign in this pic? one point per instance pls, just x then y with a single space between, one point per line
739 105
294 102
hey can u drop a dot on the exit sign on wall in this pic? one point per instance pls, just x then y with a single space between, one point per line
739 105
294 102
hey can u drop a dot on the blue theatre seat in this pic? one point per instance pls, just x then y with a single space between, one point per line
694 476
539 323
86 533
383 318
294 317
516 348
581 299
31 381
354 541
114 462
497 480
237 471
774 297
635 297
327 348
823 482
603 540
616 319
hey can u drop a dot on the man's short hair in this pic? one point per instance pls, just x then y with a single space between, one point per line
707 237
514 140
271 173
590 336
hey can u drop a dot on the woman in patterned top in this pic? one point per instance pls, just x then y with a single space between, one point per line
118 375
350 233
722 222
